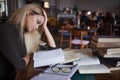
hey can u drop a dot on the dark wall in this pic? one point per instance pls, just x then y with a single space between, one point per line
101 5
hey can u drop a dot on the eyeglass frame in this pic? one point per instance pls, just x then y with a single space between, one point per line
60 68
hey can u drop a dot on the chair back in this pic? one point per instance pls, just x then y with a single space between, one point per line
92 24
77 38
65 33
106 29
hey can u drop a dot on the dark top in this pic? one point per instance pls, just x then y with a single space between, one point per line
85 19
12 48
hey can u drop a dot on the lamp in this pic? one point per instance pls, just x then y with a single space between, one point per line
46 4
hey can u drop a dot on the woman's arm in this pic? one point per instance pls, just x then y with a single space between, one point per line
50 39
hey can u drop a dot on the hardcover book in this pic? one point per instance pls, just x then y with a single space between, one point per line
109 52
105 44
109 60
106 38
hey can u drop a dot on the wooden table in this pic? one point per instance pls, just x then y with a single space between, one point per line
93 31
114 75
30 72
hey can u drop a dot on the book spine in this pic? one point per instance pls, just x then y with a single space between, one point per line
106 39
113 49
109 61
105 44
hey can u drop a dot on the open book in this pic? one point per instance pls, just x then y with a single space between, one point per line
45 58
70 55
90 65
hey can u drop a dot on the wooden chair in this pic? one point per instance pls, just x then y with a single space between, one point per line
106 29
93 28
76 38
65 33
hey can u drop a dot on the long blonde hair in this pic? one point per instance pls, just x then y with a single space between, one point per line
31 41
18 19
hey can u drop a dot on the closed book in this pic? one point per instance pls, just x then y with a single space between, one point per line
106 38
114 68
116 55
109 52
109 61
105 44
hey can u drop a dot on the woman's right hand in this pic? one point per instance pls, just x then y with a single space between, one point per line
27 59
46 18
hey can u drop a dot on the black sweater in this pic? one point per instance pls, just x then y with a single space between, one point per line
12 48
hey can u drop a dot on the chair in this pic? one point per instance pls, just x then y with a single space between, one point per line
76 38
52 23
65 33
93 28
106 29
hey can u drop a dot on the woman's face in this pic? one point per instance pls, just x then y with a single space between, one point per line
33 22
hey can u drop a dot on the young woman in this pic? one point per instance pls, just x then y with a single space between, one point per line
19 36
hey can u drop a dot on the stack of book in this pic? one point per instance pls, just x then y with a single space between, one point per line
107 48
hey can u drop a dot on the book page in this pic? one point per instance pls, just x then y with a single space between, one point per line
46 76
42 55
93 69
70 56
87 60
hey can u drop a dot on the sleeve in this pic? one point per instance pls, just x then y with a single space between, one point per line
8 49
46 47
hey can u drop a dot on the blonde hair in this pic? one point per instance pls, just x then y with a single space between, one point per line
32 41
18 19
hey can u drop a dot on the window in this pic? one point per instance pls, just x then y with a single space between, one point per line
3 8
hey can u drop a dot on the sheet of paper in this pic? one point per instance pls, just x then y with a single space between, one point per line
87 60
50 77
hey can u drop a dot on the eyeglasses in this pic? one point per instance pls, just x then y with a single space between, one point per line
64 68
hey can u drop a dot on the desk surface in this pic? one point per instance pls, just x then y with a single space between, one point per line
26 75
29 72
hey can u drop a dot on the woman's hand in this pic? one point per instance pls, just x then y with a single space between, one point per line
49 37
27 59
46 18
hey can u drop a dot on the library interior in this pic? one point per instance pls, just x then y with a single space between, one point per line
74 40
